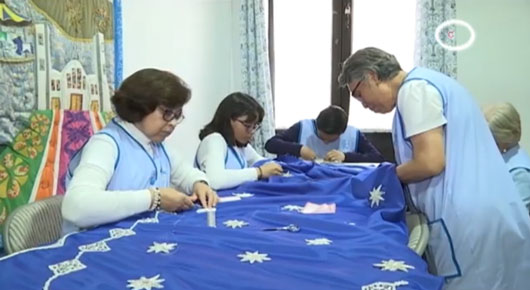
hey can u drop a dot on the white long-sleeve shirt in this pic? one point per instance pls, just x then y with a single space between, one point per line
88 203
211 159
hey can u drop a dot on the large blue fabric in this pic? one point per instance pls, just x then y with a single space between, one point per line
207 258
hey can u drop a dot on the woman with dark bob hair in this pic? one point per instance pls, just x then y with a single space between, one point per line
224 153
125 168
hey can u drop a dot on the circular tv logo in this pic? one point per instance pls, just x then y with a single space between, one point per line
445 24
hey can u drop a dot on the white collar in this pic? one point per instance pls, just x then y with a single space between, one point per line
135 133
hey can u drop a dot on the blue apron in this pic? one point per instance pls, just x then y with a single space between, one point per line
347 142
518 163
233 159
134 168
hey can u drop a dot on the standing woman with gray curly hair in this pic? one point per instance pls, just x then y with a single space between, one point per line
447 158
505 124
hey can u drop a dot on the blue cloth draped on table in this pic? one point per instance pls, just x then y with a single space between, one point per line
345 250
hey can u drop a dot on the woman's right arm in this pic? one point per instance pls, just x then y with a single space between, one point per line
285 142
211 158
87 202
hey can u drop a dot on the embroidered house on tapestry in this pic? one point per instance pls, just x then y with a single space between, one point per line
72 88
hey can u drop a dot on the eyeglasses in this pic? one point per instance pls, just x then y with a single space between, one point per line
355 89
250 127
168 115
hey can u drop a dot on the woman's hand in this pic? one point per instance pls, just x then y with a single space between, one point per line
204 194
335 156
270 169
307 153
172 200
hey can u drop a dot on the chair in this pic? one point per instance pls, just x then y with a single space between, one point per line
33 224
418 232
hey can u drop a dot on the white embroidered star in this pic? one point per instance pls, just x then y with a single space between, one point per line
385 285
292 207
252 257
161 247
146 283
393 266
243 194
376 195
235 223
287 174
318 242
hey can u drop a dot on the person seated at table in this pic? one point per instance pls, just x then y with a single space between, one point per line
126 168
328 137
225 154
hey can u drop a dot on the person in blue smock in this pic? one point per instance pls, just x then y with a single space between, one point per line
328 137
448 160
126 168
505 124
225 153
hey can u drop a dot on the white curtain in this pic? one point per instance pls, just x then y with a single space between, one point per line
255 70
432 13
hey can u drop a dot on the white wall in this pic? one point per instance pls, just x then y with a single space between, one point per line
497 67
194 39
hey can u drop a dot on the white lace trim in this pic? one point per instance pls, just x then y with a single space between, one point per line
384 285
69 266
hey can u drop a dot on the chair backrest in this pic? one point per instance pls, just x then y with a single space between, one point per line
33 224
418 232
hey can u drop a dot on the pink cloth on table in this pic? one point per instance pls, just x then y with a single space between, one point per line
311 208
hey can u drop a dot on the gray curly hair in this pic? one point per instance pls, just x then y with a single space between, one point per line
370 59
504 123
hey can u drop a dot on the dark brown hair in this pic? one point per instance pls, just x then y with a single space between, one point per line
232 107
142 92
332 120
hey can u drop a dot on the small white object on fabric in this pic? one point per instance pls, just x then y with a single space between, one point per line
292 207
376 196
287 174
235 223
384 285
318 242
203 210
253 257
118 233
229 198
161 247
392 265
144 283
100 246
243 194
210 216
66 267
211 219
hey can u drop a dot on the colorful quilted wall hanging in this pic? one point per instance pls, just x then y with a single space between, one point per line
59 64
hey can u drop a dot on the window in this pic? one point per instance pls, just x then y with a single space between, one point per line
302 54
302 49
391 29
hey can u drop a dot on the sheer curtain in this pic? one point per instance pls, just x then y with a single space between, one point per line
428 53
255 70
